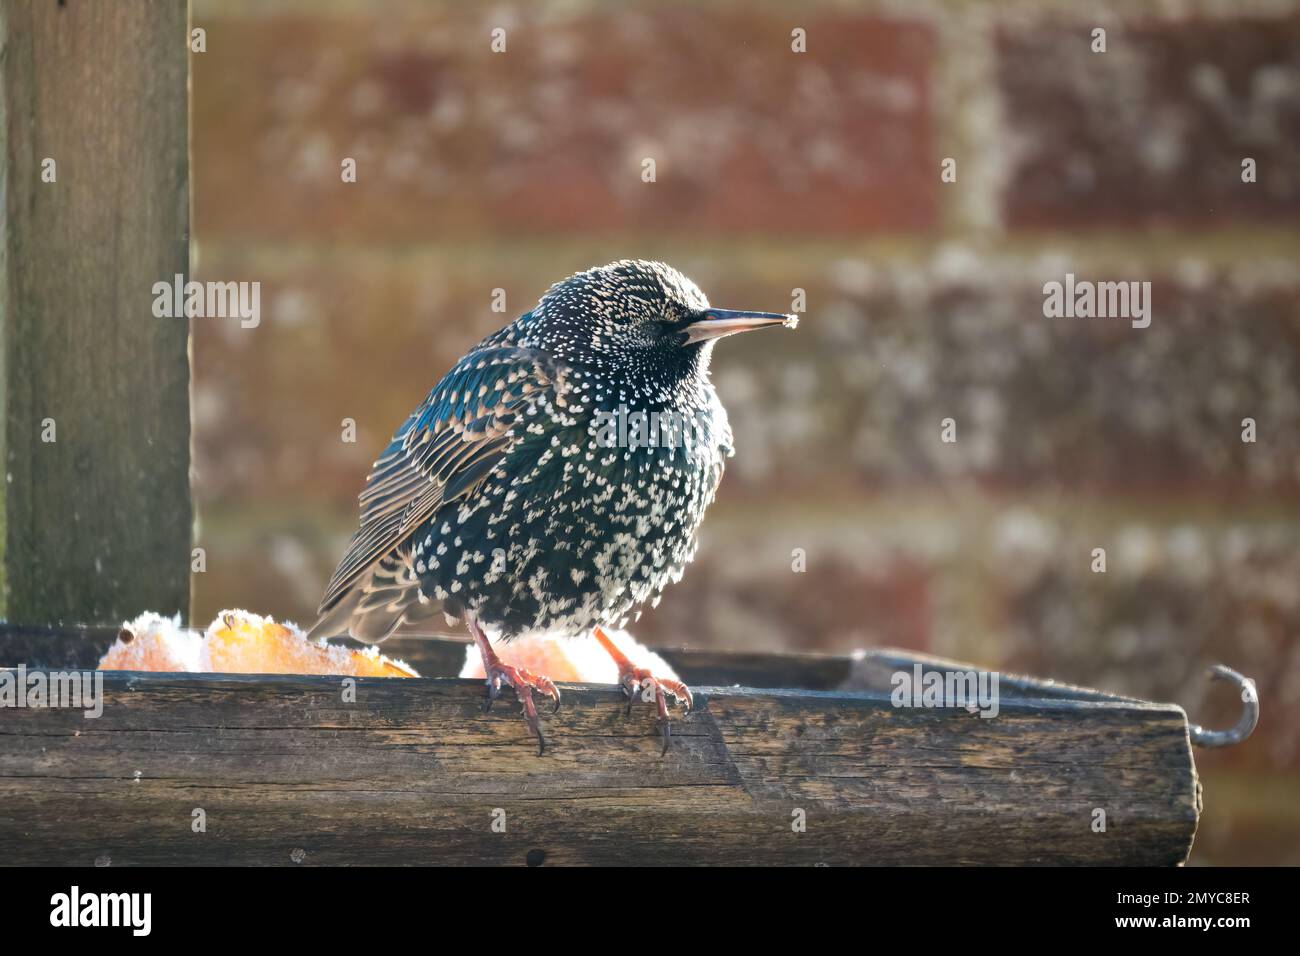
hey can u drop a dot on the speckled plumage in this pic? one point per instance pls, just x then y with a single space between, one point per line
500 497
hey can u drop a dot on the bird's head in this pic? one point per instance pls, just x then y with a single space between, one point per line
638 314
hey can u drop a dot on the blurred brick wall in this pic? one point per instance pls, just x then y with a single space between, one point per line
819 171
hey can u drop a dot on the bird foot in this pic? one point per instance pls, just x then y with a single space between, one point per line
639 682
524 682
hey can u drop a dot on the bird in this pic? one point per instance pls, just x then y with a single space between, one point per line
553 482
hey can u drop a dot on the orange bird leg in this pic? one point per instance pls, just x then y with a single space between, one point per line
635 679
524 682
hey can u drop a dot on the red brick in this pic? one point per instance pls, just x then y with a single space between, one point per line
1155 129
548 137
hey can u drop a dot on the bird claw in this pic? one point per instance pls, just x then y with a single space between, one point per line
524 682
638 680
493 692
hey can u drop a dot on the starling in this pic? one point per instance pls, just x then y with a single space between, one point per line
553 481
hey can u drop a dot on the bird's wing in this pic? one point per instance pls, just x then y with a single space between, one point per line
454 440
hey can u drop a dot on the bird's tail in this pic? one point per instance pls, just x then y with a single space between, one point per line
384 602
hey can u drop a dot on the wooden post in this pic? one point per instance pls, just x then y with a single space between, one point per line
94 171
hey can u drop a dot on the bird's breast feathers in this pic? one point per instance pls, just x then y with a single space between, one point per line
592 509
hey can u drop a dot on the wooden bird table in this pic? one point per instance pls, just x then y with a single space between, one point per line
787 759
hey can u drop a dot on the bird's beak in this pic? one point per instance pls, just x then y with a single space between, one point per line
715 323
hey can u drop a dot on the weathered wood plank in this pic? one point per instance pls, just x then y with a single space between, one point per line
412 772
98 521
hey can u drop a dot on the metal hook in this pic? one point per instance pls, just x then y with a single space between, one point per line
1245 724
